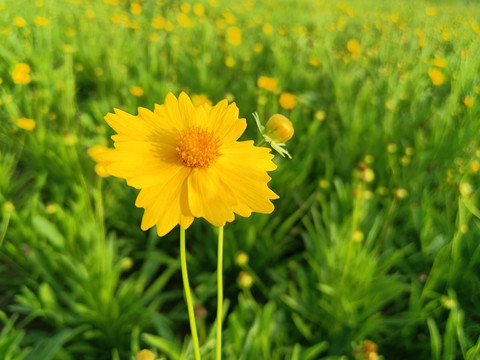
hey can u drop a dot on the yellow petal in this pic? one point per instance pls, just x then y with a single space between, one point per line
129 125
225 122
209 198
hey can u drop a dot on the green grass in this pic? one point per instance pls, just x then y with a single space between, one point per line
343 258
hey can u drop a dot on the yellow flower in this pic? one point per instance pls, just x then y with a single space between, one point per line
229 62
135 8
19 22
287 101
436 76
158 22
431 11
354 48
468 101
188 163
21 74
267 83
136 91
234 36
95 153
477 90
26 124
439 62
198 9
268 29
41 21
200 99
145 355
185 21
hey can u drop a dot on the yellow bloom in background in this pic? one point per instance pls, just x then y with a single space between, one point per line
234 36
26 124
431 11
19 22
436 76
200 99
41 21
198 9
288 101
135 8
185 21
229 62
354 48
440 63
95 152
145 355
258 48
188 163
476 90
468 101
136 91
267 29
158 22
21 74
267 83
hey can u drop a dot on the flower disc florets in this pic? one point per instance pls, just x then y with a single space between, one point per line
198 147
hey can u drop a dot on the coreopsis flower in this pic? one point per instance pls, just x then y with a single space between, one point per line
95 153
234 36
188 163
136 91
354 48
41 21
436 76
21 74
288 101
267 83
26 124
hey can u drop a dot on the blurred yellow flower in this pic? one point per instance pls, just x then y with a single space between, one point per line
468 101
477 90
320 115
258 48
145 355
268 29
185 21
185 8
200 99
188 163
440 63
288 101
135 8
234 36
19 22
431 11
26 124
245 280
436 76
70 32
1 81
229 61
354 48
158 22
198 9
21 74
136 91
41 21
267 83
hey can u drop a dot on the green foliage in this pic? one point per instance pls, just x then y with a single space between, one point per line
374 239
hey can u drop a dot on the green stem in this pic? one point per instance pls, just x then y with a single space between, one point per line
219 293
188 295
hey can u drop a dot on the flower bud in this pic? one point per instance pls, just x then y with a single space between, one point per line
245 280
241 259
145 355
279 128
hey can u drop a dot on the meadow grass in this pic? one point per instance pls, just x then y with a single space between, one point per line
372 250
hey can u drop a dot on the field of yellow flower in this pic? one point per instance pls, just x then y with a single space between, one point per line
372 250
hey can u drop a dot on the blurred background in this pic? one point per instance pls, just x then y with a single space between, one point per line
372 251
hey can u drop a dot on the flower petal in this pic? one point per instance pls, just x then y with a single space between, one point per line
224 121
208 197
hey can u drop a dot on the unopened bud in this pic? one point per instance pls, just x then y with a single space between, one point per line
279 128
145 355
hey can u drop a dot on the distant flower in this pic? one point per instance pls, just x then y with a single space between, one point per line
431 11
21 74
198 9
229 61
200 99
267 83
26 124
468 101
135 8
234 36
41 21
189 164
288 101
354 48
136 91
145 355
440 63
158 22
268 29
185 21
19 22
436 76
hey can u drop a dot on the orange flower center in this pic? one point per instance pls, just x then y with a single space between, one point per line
198 147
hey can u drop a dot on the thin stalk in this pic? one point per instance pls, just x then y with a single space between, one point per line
219 293
188 295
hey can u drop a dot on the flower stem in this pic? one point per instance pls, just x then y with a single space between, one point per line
188 295
219 293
